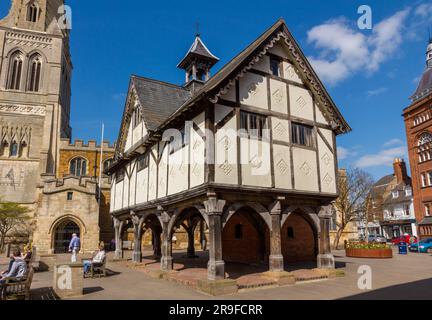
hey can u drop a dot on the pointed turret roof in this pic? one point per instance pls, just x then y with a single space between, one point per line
198 50
425 86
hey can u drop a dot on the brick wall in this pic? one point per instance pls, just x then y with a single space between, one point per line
248 249
302 246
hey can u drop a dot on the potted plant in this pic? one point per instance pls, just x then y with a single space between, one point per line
368 250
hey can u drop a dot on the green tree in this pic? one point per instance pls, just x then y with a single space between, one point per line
12 216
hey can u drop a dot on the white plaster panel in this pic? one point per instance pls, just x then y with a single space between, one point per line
278 92
253 90
197 151
328 135
290 72
128 143
279 50
280 129
255 162
230 95
162 176
305 170
226 153
263 64
152 175
132 185
142 186
119 196
301 103
178 171
327 167
221 112
282 166
319 116
112 197
126 191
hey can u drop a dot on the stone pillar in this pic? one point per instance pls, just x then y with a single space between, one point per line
68 281
276 262
138 226
157 252
118 227
216 265
191 243
325 257
166 259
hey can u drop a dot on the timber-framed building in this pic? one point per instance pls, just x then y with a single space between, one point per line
253 155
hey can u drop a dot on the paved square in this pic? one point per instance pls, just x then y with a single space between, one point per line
403 277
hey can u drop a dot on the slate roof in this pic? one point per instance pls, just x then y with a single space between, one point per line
198 49
425 85
158 99
402 197
380 187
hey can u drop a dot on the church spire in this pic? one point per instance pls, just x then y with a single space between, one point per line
198 61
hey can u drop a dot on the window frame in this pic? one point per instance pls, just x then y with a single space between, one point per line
276 61
34 73
83 164
15 71
296 135
143 162
254 125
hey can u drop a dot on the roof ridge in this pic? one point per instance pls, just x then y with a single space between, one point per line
134 76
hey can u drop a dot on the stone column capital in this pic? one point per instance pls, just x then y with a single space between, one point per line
326 212
214 206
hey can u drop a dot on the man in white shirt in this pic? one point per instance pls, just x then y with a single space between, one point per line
98 259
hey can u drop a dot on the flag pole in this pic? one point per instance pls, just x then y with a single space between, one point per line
100 161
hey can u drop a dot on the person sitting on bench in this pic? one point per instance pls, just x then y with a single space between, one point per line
18 268
97 260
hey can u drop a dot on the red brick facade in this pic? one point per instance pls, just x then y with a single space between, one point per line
418 123
298 240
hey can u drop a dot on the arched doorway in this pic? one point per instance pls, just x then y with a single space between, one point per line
246 238
299 239
63 235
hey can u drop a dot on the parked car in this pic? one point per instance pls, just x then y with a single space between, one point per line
405 238
424 245
377 239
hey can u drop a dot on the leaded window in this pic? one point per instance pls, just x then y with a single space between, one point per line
15 71
78 167
35 69
302 135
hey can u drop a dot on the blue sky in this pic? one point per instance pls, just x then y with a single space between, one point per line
369 73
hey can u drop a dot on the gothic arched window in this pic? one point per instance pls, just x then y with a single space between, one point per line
107 163
34 76
425 138
32 12
78 167
13 149
15 71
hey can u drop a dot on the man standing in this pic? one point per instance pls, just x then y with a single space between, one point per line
74 247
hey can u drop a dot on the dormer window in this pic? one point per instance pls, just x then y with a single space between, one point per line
33 13
408 192
395 194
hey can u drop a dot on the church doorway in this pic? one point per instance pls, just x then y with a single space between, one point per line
63 235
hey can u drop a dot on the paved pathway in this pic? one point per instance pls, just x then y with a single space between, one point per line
404 277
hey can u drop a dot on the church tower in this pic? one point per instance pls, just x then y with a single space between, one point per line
197 64
35 77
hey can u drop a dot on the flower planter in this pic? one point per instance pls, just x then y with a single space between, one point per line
384 253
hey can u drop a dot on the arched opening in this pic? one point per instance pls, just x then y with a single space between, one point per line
299 239
63 235
15 71
34 73
78 167
189 234
13 149
23 150
151 237
32 12
246 238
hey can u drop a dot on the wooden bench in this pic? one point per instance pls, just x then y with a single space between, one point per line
97 269
14 289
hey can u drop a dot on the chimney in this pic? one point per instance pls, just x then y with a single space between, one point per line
400 171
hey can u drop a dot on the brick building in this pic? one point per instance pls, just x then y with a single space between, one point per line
418 123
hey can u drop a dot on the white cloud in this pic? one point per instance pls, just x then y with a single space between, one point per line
376 92
393 142
344 153
345 50
383 158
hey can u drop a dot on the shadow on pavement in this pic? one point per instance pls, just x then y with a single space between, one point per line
418 290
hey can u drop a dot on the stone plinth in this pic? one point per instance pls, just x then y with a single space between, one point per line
281 278
68 280
46 262
217 287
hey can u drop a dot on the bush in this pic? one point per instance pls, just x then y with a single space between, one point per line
366 245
